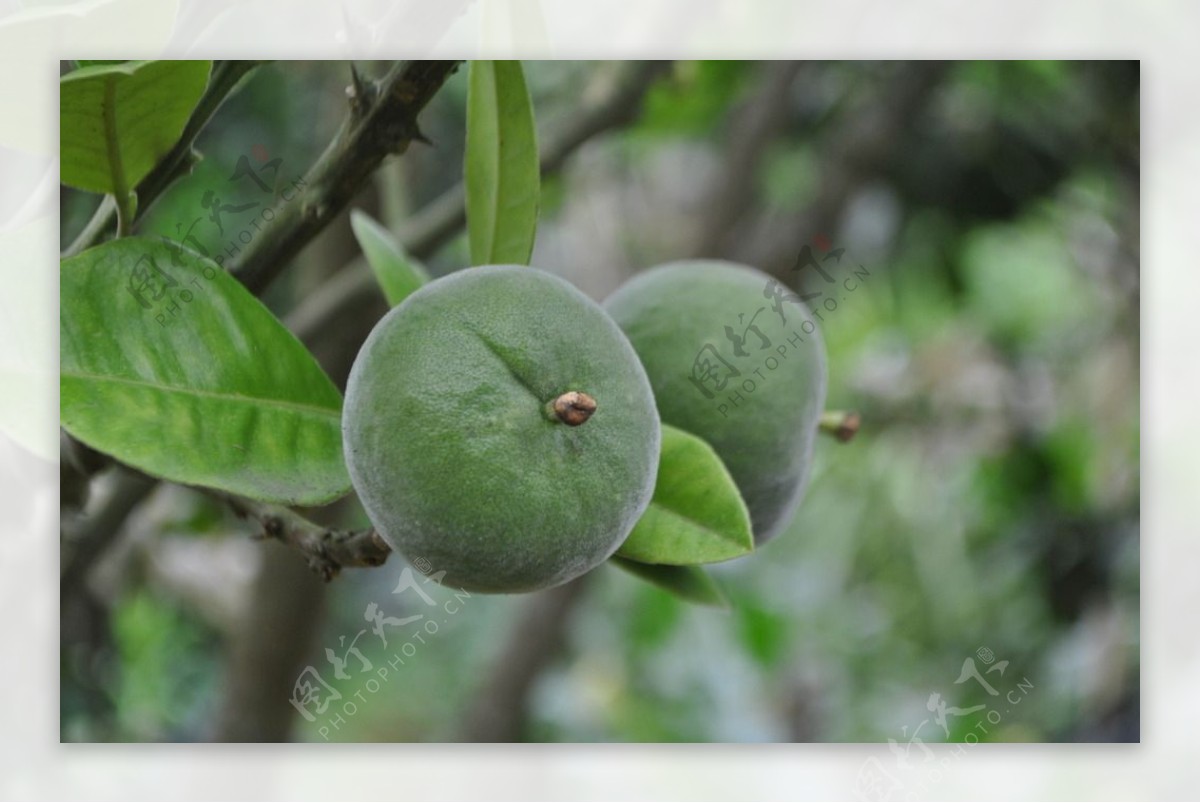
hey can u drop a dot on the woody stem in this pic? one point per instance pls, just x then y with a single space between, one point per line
326 550
841 424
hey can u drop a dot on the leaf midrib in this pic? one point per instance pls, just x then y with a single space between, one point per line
497 163
496 166
739 543
116 166
210 394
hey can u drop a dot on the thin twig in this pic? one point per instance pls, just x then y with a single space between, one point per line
841 424
326 550
857 145
752 128
82 546
382 121
275 638
347 290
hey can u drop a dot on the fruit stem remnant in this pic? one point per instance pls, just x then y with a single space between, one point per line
841 424
573 408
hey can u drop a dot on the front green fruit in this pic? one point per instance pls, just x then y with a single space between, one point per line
499 425
735 359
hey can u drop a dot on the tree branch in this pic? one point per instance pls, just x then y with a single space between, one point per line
854 150
273 643
382 121
327 551
98 530
752 127
178 162
344 293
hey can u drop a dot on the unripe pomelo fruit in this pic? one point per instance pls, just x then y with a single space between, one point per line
499 426
736 359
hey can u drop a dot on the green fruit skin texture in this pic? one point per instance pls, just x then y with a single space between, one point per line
766 437
453 452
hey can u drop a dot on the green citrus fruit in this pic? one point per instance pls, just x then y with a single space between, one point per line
499 426
736 359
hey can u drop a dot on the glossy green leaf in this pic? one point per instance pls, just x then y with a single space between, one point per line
697 514
686 582
118 120
398 274
170 365
502 171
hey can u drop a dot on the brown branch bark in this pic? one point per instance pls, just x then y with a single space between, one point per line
83 544
761 119
382 121
286 596
270 650
339 301
325 550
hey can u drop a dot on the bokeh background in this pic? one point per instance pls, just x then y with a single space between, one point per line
988 507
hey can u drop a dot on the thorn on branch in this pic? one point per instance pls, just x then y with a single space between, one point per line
361 93
379 123
419 136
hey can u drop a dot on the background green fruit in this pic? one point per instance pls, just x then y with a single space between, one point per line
454 444
683 319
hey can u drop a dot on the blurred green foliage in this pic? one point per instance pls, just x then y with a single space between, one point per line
171 667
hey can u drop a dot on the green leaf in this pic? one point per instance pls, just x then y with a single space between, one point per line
117 121
193 380
686 582
697 514
502 171
398 274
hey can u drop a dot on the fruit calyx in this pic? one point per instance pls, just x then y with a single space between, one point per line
572 408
